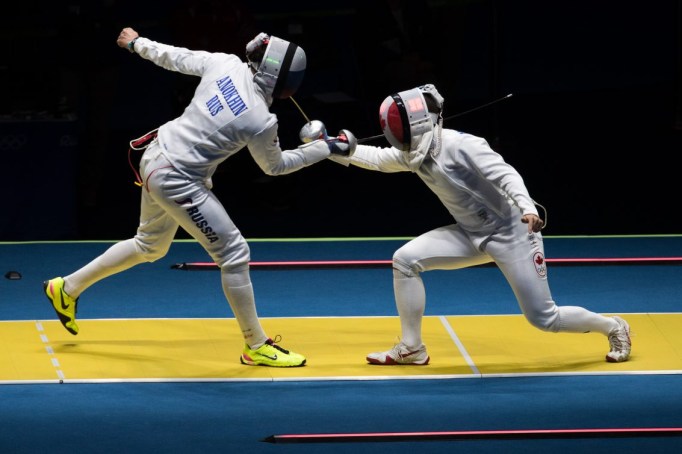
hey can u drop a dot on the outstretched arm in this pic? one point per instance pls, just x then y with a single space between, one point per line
272 160
388 160
172 58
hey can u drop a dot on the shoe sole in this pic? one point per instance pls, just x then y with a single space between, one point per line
614 360
64 319
254 363
376 362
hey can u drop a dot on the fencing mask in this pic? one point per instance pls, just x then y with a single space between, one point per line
406 117
278 64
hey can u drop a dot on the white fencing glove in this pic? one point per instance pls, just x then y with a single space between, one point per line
344 144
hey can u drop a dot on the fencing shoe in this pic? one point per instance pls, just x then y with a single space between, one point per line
63 304
400 355
271 354
619 341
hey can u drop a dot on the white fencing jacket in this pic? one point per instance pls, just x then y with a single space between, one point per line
228 112
478 188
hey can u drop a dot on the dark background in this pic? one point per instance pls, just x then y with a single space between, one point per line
594 124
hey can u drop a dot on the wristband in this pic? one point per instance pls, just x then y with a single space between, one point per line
131 45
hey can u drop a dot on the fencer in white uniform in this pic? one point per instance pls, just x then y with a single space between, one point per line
496 220
228 112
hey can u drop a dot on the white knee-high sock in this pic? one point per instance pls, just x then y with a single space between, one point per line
574 319
410 299
239 293
117 258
